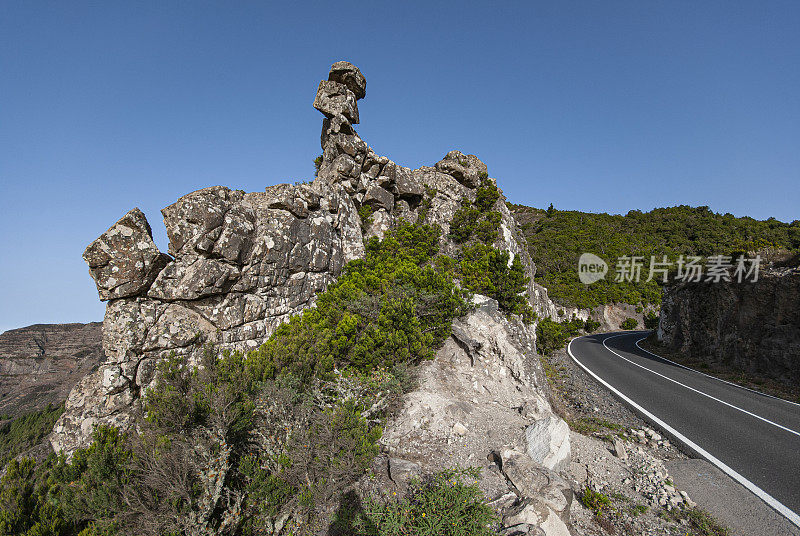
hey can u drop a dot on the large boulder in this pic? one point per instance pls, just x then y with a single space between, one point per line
335 99
466 169
348 74
124 261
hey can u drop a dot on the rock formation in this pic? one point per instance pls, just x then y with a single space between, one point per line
241 263
482 402
750 326
40 364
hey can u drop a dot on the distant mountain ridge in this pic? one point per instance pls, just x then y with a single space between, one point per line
40 364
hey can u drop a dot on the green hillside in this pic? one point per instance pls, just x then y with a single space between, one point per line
556 239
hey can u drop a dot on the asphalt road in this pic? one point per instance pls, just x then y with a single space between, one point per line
752 437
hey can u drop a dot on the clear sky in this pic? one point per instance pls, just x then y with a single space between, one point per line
596 106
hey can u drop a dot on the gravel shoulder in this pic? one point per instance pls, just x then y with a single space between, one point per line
620 464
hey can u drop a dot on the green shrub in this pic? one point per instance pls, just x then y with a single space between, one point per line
590 325
27 431
629 323
486 195
394 306
61 498
651 320
551 335
487 270
477 219
365 215
447 504
317 165
464 221
595 501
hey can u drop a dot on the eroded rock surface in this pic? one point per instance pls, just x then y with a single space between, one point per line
750 326
124 260
482 402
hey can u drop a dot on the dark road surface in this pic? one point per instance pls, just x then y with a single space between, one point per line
752 437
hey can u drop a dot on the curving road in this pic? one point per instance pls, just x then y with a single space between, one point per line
752 437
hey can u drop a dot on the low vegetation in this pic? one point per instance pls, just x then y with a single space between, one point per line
447 504
556 238
20 434
698 520
552 335
595 501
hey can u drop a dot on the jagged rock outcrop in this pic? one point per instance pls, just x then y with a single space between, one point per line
40 364
242 263
124 260
750 326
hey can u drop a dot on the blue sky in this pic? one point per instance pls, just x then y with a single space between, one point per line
595 106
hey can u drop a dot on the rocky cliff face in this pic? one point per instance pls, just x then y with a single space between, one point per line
240 264
750 326
40 364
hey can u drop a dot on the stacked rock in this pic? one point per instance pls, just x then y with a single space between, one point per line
371 180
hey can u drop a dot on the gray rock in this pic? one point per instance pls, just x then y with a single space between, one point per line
402 472
124 261
335 99
348 74
548 442
619 449
378 197
464 168
749 326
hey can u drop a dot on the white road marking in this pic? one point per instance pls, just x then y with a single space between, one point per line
760 493
695 390
713 377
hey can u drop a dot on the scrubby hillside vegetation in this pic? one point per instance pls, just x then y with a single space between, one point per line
557 238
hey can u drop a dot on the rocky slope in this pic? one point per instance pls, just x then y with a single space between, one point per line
749 326
40 364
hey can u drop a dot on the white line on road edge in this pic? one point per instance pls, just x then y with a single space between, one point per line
760 493
712 377
693 389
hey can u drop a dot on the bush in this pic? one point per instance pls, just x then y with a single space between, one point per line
477 218
551 336
595 501
590 325
317 165
27 431
448 504
365 215
629 323
61 498
394 306
651 320
487 270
